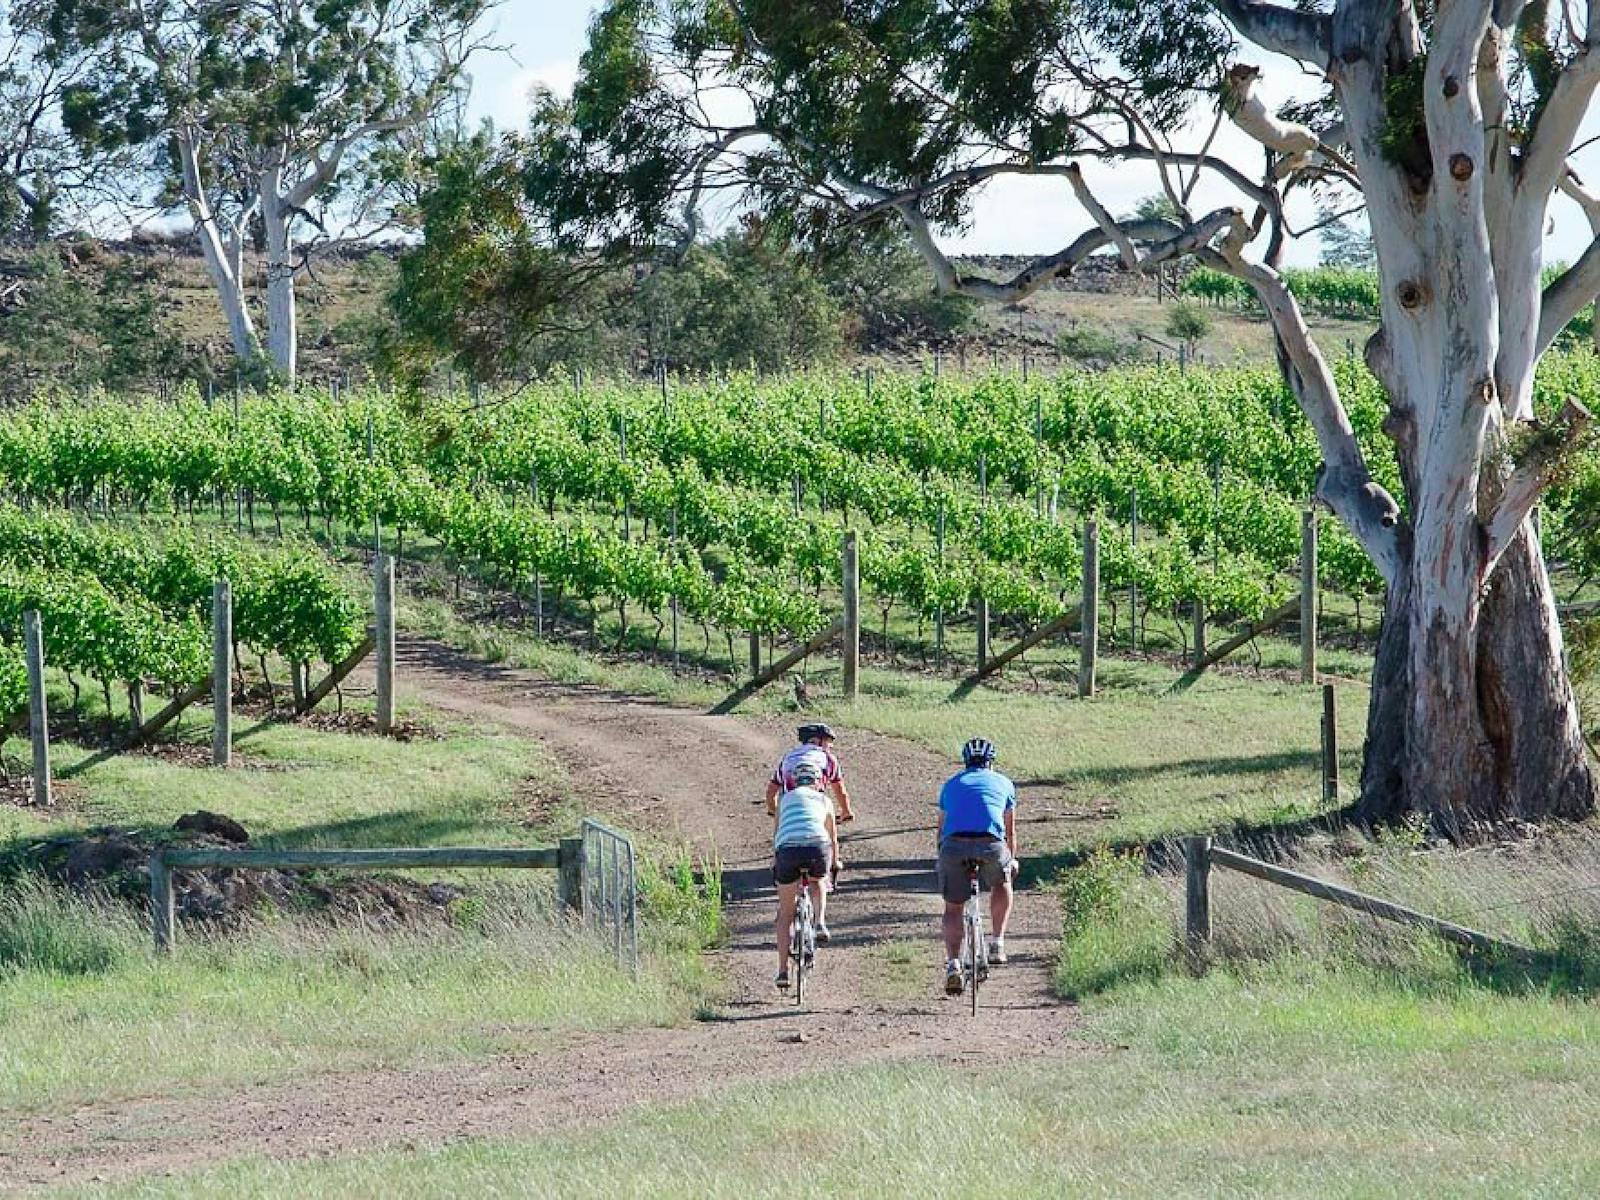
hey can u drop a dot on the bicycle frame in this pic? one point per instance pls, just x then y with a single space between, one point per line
802 937
974 950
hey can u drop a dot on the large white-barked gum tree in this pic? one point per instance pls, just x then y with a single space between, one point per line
1458 123
1454 124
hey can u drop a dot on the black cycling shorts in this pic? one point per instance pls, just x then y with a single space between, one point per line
787 861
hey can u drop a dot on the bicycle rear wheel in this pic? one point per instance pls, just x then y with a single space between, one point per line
797 952
974 953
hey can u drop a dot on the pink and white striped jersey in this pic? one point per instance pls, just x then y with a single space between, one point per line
824 761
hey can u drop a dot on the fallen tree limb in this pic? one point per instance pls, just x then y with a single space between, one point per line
744 692
1065 623
336 676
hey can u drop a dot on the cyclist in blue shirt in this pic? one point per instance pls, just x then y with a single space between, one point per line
977 811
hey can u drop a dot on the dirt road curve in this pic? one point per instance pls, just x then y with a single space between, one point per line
875 997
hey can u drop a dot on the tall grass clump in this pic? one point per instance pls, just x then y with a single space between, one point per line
92 1011
1116 925
45 930
1122 924
682 906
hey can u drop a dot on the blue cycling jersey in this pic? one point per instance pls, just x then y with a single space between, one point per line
975 801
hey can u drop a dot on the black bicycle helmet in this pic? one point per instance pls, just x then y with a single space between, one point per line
807 733
979 752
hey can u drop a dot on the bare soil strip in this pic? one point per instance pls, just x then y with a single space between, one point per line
875 997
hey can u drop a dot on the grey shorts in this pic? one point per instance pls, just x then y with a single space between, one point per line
993 859
787 861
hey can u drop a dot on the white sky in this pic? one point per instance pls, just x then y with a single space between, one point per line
543 39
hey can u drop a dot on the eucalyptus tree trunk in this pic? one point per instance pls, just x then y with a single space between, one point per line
282 325
1472 717
224 256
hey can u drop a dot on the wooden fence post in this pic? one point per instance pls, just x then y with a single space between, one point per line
1330 746
1199 631
1197 922
163 906
221 673
1089 643
569 875
38 708
982 621
383 604
1308 596
852 617
755 654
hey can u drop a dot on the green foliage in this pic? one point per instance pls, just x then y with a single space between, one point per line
126 606
480 289
486 292
1404 139
1094 346
82 330
677 906
887 94
1188 323
745 302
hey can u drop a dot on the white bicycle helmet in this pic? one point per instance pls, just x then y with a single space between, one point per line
979 752
806 775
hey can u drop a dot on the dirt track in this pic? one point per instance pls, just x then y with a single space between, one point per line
672 771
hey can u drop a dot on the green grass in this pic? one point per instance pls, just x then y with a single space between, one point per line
306 788
89 1012
1293 1081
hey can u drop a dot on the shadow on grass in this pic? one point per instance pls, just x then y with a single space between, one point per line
385 830
1253 764
1568 964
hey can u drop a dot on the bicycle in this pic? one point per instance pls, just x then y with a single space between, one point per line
802 937
974 949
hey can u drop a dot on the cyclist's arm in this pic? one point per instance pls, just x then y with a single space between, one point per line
839 794
832 827
772 797
1011 831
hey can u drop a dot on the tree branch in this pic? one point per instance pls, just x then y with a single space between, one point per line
1107 224
1576 287
1295 33
1528 480
1550 142
1344 482
1165 241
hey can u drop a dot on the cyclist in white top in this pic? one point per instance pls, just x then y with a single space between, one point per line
804 836
815 748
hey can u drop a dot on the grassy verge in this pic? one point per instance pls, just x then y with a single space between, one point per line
307 787
89 1012
1277 1083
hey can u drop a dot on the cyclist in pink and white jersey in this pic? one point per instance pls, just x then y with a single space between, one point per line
815 750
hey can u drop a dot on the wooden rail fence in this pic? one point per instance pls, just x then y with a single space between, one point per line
1200 856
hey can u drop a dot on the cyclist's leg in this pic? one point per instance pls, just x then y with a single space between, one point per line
954 929
952 877
787 893
1000 900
